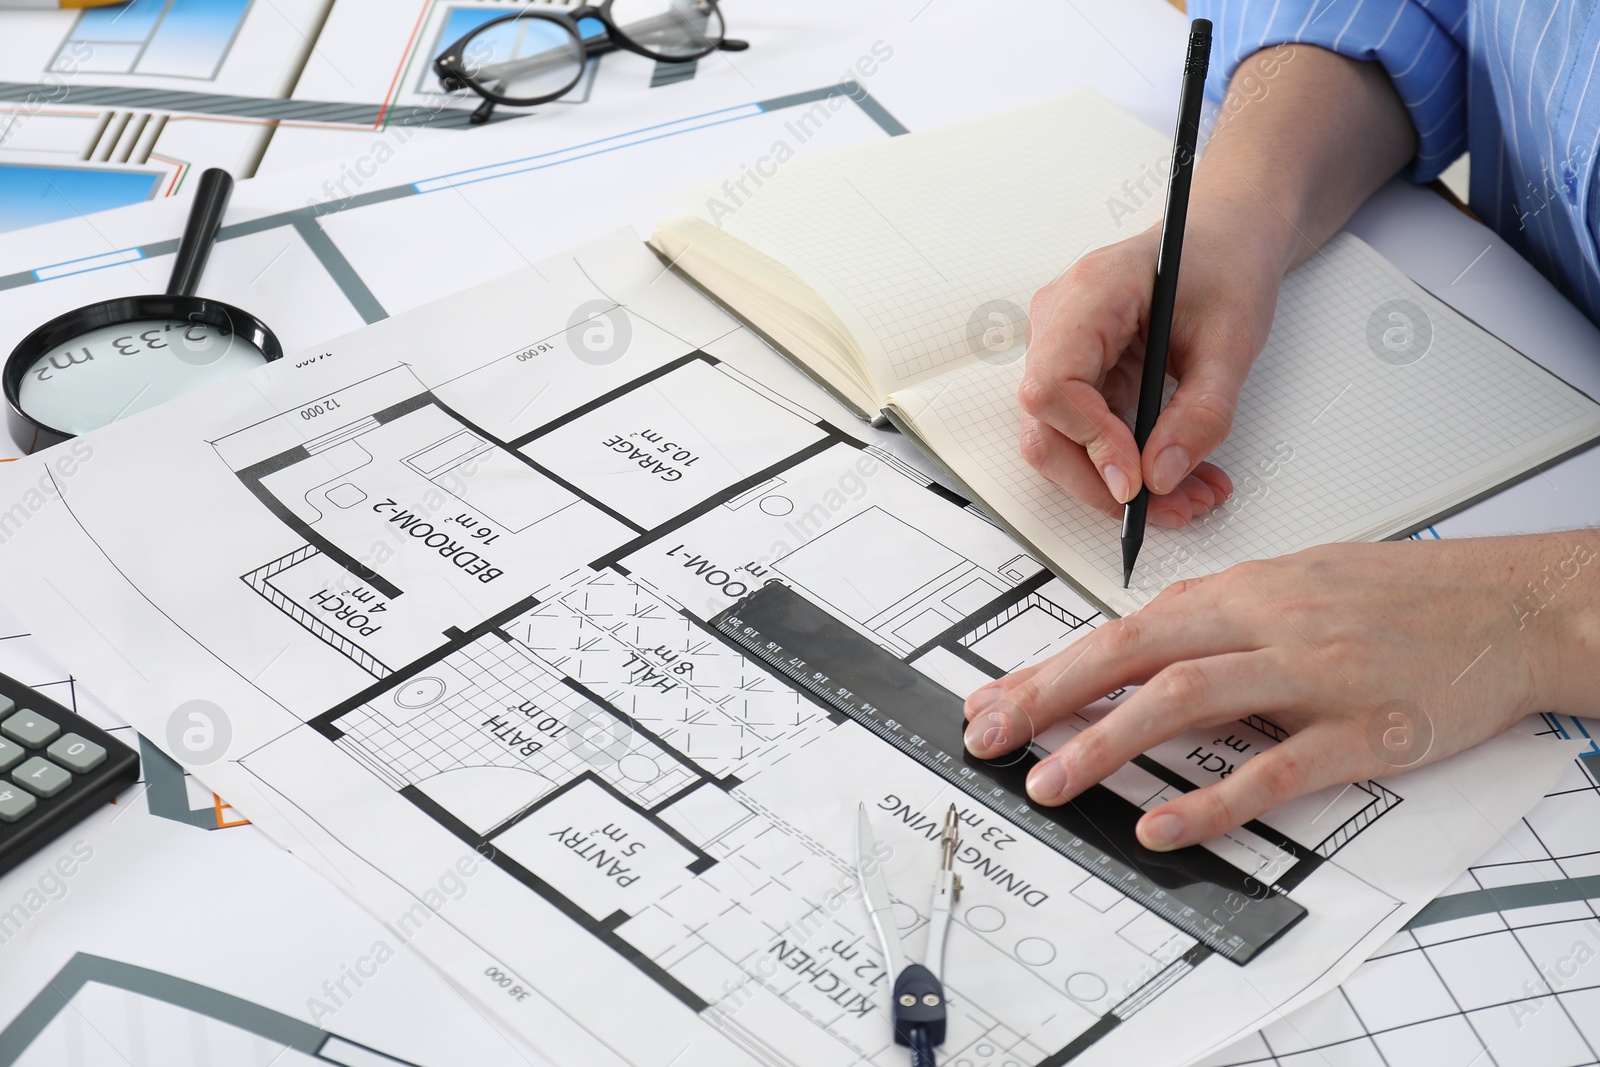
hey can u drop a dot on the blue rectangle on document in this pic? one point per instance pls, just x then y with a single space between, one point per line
33 195
193 39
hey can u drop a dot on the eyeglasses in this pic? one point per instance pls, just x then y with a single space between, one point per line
533 57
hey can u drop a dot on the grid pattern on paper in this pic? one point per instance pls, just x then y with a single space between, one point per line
910 234
1329 437
451 735
775 883
499 677
764 889
707 701
1505 988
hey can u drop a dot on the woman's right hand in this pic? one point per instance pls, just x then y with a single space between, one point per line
1307 135
1086 333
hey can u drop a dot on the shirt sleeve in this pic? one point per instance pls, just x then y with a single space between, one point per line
1416 41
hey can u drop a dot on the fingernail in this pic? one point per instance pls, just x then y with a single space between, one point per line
984 697
994 732
1160 831
1117 482
1171 468
1202 498
1048 782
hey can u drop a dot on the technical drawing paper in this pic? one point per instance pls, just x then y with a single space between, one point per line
436 611
166 929
101 108
373 62
1405 1014
373 238
108 106
378 227
1501 969
315 274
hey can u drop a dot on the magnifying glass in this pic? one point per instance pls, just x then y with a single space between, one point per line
92 366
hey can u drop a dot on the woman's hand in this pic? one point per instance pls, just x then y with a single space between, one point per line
1308 135
1086 352
1462 637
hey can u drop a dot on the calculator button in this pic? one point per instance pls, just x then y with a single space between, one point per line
7 706
76 754
40 776
30 728
14 803
10 755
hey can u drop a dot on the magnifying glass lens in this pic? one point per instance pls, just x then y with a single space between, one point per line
114 371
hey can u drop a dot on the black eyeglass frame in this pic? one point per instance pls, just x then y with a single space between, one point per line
453 74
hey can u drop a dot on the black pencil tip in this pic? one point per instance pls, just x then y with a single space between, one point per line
1132 535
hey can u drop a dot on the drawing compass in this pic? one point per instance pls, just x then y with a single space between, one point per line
918 1007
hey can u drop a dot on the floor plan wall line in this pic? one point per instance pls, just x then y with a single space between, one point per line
205 1005
643 635
350 282
266 109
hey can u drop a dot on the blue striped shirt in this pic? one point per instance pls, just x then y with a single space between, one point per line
1513 82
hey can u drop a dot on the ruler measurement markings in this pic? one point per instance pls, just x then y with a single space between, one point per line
751 635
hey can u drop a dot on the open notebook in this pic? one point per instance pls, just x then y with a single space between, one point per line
897 274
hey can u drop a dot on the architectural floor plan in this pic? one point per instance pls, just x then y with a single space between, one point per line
1453 979
358 772
144 937
619 757
509 602
102 108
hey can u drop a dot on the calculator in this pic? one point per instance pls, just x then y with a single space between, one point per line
56 769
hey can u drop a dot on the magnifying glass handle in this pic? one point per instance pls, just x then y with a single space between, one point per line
210 200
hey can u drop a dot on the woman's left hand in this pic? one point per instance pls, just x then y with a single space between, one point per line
1461 637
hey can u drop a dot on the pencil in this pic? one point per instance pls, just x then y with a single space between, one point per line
1159 334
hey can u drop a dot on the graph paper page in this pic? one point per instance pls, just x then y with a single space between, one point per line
919 242
1331 442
